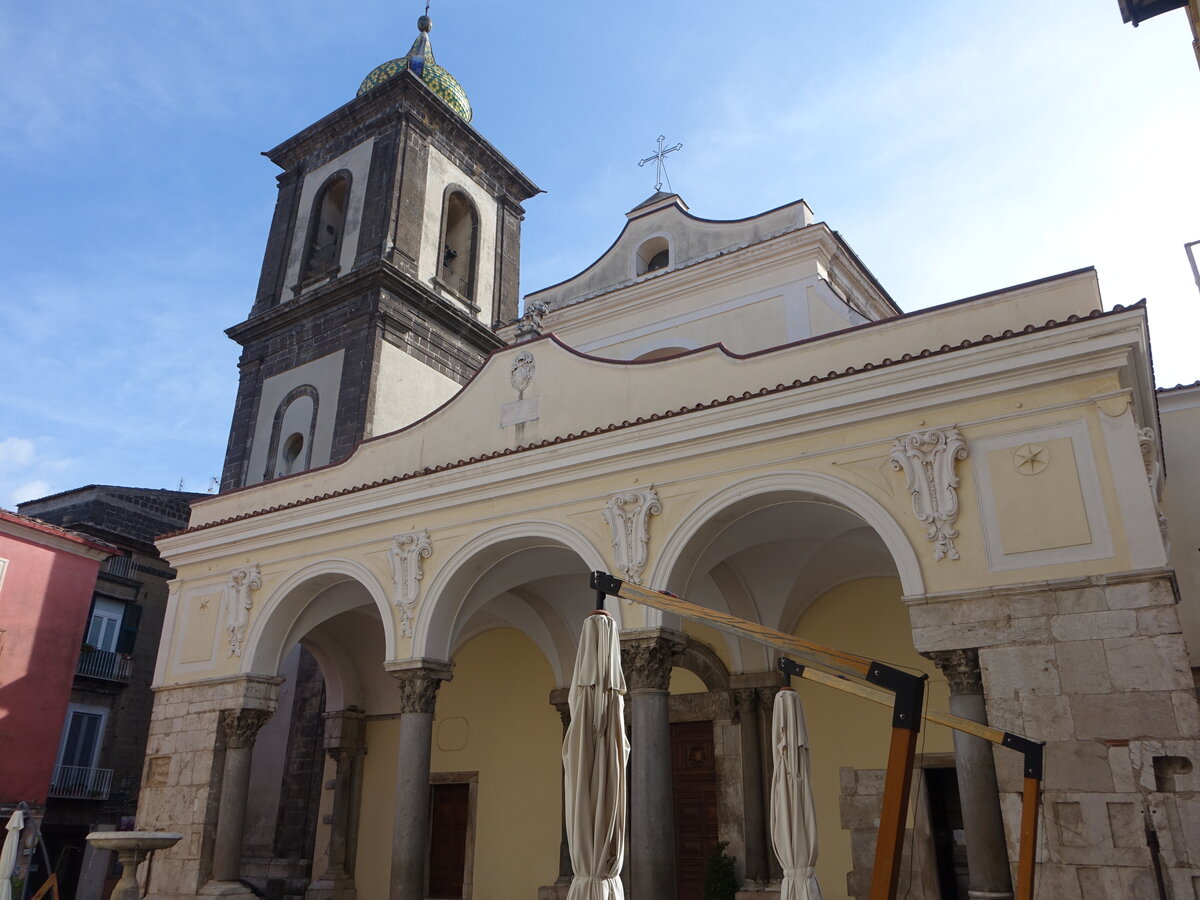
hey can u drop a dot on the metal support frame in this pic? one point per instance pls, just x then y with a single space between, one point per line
903 691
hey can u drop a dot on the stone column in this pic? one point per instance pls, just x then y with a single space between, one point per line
766 702
410 836
565 870
647 665
344 743
240 727
987 852
745 702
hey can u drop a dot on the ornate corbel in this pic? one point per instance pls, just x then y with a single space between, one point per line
239 601
628 516
927 459
406 553
1148 446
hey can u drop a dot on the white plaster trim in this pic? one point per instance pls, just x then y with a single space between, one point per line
1101 546
811 484
405 555
424 636
792 295
1143 522
263 655
985 370
628 516
3 569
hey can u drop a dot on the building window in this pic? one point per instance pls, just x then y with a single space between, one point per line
326 227
82 736
105 625
292 431
460 244
653 255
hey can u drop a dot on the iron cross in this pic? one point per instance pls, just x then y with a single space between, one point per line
660 161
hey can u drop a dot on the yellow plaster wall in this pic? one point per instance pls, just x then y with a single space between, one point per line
497 711
1181 447
865 617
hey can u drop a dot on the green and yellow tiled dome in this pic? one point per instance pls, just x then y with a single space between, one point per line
420 60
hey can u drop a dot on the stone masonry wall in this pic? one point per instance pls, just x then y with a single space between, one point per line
1098 670
181 780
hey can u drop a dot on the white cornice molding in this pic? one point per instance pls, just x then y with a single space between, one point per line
1027 362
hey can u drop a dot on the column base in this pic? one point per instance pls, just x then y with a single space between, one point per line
556 891
331 889
990 895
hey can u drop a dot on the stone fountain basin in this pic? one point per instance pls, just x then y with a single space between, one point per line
133 840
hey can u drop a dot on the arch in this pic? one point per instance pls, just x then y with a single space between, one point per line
655 253
343 687
326 227
283 613
680 552
702 661
447 591
459 243
290 413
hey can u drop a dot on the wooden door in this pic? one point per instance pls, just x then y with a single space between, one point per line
449 813
694 777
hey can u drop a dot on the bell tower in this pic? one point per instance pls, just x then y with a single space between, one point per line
393 252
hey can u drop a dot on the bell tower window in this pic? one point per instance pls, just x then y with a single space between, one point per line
460 244
653 255
326 227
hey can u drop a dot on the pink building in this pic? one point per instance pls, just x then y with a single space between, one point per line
47 575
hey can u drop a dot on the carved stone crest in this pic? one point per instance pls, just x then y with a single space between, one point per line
628 516
406 553
927 459
238 603
523 369
530 325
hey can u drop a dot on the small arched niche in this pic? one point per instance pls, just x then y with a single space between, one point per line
326 227
460 244
292 433
652 255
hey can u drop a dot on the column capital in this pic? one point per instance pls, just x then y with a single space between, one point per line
961 668
647 661
745 702
766 697
345 729
344 757
241 726
419 686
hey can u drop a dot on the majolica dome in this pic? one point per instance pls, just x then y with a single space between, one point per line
421 62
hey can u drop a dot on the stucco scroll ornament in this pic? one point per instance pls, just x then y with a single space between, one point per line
1154 474
522 370
628 516
406 553
927 459
238 603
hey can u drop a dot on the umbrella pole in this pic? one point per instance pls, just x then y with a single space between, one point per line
906 726
1030 799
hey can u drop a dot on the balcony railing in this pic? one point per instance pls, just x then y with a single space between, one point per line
80 783
105 665
121 566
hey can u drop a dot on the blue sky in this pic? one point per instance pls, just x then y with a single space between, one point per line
958 147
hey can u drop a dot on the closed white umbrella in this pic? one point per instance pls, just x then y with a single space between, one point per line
793 815
595 753
8 856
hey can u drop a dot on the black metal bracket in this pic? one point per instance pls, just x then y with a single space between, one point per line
604 585
790 667
909 690
1035 752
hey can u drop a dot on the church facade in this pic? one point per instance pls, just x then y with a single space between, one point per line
419 481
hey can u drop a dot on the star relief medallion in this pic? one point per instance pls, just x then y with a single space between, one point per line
1031 459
